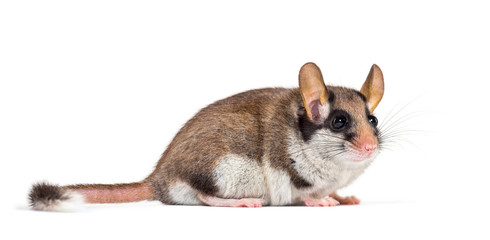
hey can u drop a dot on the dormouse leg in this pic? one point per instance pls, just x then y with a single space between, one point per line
223 202
349 200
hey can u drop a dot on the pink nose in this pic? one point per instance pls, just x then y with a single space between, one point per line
368 144
370 147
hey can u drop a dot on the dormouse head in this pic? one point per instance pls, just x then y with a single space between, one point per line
338 122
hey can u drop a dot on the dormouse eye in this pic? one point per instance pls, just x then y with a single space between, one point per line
339 122
373 120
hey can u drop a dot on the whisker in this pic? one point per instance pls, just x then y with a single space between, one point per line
388 118
403 119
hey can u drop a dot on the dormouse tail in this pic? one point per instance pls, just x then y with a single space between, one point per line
50 197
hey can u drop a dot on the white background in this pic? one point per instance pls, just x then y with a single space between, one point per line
93 91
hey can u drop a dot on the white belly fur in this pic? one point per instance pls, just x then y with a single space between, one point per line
240 177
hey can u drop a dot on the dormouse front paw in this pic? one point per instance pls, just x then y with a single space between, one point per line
323 202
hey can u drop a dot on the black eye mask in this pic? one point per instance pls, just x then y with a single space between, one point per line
338 121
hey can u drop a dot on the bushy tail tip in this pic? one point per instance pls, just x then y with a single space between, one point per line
49 197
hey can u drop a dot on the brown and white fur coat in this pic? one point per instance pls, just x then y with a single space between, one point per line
272 146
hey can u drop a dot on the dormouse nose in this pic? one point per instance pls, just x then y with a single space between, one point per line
367 144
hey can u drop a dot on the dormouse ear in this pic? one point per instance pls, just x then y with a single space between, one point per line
313 91
374 87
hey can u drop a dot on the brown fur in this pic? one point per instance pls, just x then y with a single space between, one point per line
352 101
255 124
239 124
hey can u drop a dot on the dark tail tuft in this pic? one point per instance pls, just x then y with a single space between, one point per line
50 197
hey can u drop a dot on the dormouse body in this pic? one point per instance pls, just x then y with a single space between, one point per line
273 146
